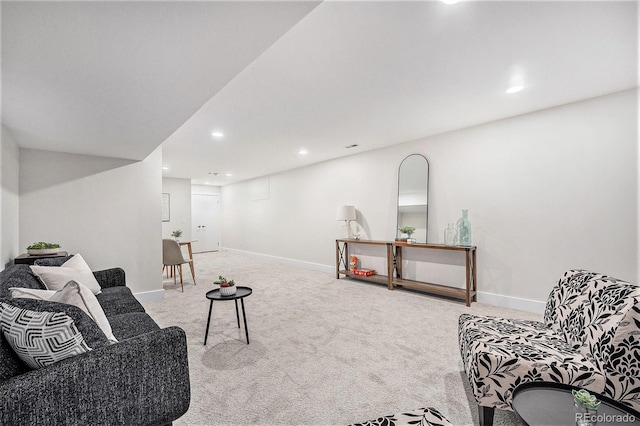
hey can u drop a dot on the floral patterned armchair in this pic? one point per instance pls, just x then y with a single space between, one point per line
590 338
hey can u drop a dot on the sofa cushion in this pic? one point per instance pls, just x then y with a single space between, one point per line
125 326
499 354
42 333
18 276
118 300
11 364
76 269
52 261
75 294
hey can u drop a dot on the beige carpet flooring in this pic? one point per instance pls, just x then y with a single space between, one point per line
322 351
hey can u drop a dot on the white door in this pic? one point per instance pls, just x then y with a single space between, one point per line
205 219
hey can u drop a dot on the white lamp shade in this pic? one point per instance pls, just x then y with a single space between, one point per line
346 213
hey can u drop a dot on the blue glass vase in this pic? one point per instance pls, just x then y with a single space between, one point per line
464 229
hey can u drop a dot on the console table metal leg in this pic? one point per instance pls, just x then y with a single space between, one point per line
244 317
342 258
338 254
206 333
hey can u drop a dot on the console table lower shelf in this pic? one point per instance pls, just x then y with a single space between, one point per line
394 268
439 289
380 279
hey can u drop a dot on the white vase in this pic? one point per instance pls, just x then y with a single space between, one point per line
228 291
450 235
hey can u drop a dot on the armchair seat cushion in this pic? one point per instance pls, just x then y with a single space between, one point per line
500 354
422 416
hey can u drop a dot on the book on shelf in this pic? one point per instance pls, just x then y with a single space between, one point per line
364 272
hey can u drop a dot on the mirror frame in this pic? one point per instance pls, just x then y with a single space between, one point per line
426 219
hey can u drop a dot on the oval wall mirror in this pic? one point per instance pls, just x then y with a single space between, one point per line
413 193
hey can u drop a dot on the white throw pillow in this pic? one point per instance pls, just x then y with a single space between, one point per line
30 293
73 293
74 269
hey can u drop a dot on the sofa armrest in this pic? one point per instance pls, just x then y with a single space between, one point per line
110 277
139 381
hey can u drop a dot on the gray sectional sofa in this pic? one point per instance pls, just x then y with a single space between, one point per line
143 379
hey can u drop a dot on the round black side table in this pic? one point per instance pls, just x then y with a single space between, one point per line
544 403
241 293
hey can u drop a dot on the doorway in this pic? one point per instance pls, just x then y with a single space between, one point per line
205 222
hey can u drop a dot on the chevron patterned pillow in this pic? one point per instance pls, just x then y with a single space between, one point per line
43 337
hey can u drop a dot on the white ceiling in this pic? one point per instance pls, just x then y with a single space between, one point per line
119 78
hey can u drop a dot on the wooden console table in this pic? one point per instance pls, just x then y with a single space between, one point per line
342 261
394 277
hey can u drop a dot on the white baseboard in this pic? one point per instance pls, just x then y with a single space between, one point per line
149 296
283 260
511 302
499 300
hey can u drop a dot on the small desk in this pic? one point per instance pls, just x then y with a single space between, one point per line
188 244
542 403
241 293
29 259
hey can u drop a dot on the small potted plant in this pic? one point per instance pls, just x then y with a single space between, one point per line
408 230
227 288
42 248
177 234
586 407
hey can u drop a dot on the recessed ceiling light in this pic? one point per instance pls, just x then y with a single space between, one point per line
303 152
228 174
514 89
165 168
217 134
450 1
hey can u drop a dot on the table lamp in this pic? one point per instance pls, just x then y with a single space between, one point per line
347 214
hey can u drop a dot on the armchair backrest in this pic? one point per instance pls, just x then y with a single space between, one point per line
598 315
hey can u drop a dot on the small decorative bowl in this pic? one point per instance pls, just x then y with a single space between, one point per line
228 291
42 252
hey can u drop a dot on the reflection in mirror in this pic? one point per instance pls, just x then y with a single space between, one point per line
413 191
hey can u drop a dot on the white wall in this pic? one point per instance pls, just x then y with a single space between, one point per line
180 206
9 198
205 189
546 191
638 152
109 210
181 214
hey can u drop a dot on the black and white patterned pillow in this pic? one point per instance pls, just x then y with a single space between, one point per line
42 333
